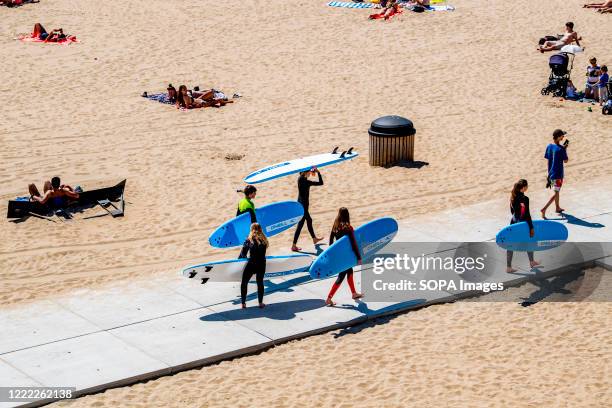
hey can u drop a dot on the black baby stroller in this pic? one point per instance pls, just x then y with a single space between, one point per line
560 69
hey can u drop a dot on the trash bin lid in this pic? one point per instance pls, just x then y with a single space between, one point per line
392 126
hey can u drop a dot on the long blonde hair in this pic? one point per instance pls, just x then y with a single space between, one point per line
257 236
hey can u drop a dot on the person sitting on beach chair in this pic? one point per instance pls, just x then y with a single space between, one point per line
55 193
569 37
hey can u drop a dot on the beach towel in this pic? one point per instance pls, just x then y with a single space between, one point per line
394 11
350 4
29 38
160 97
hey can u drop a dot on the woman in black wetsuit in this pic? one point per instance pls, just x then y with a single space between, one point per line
342 226
255 245
304 198
519 208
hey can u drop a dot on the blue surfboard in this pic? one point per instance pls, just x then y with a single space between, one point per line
338 257
273 218
547 235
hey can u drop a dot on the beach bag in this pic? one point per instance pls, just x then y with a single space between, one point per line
417 8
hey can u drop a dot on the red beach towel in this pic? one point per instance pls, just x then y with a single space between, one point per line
394 11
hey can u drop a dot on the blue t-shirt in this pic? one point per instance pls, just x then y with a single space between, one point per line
556 155
603 80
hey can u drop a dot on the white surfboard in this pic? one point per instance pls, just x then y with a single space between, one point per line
231 269
297 165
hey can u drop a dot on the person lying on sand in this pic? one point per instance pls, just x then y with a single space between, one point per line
569 37
16 3
195 99
389 9
54 192
605 4
55 35
423 3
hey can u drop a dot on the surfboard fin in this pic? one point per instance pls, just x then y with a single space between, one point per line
335 150
350 151
204 280
342 154
192 274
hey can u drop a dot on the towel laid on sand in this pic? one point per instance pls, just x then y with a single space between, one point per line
393 12
160 97
350 4
29 38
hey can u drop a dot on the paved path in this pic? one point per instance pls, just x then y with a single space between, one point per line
97 339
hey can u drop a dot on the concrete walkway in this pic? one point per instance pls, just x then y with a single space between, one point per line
97 339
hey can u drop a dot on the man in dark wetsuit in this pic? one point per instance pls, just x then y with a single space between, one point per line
304 198
55 193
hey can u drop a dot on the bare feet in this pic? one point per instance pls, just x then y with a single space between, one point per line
543 214
316 240
560 210
330 302
295 248
244 305
357 295
510 269
533 264
262 305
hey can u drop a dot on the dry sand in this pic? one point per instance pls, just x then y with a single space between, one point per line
468 354
312 77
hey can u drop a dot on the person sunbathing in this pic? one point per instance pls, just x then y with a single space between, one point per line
57 34
569 37
390 8
606 4
55 193
195 99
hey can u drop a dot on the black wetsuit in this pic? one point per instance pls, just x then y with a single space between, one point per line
304 198
255 265
354 246
519 208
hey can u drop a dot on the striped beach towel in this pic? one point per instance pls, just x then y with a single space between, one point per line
350 4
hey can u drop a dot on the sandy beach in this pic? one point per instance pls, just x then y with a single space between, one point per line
478 353
311 77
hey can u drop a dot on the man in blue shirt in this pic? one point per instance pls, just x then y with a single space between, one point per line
556 154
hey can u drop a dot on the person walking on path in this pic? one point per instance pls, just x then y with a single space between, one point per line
304 198
519 208
342 226
556 155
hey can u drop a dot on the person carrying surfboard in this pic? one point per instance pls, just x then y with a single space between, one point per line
342 226
246 204
556 155
519 208
304 198
255 246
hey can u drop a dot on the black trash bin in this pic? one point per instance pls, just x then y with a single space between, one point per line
391 141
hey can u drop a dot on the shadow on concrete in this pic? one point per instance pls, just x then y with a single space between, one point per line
362 307
580 222
275 311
